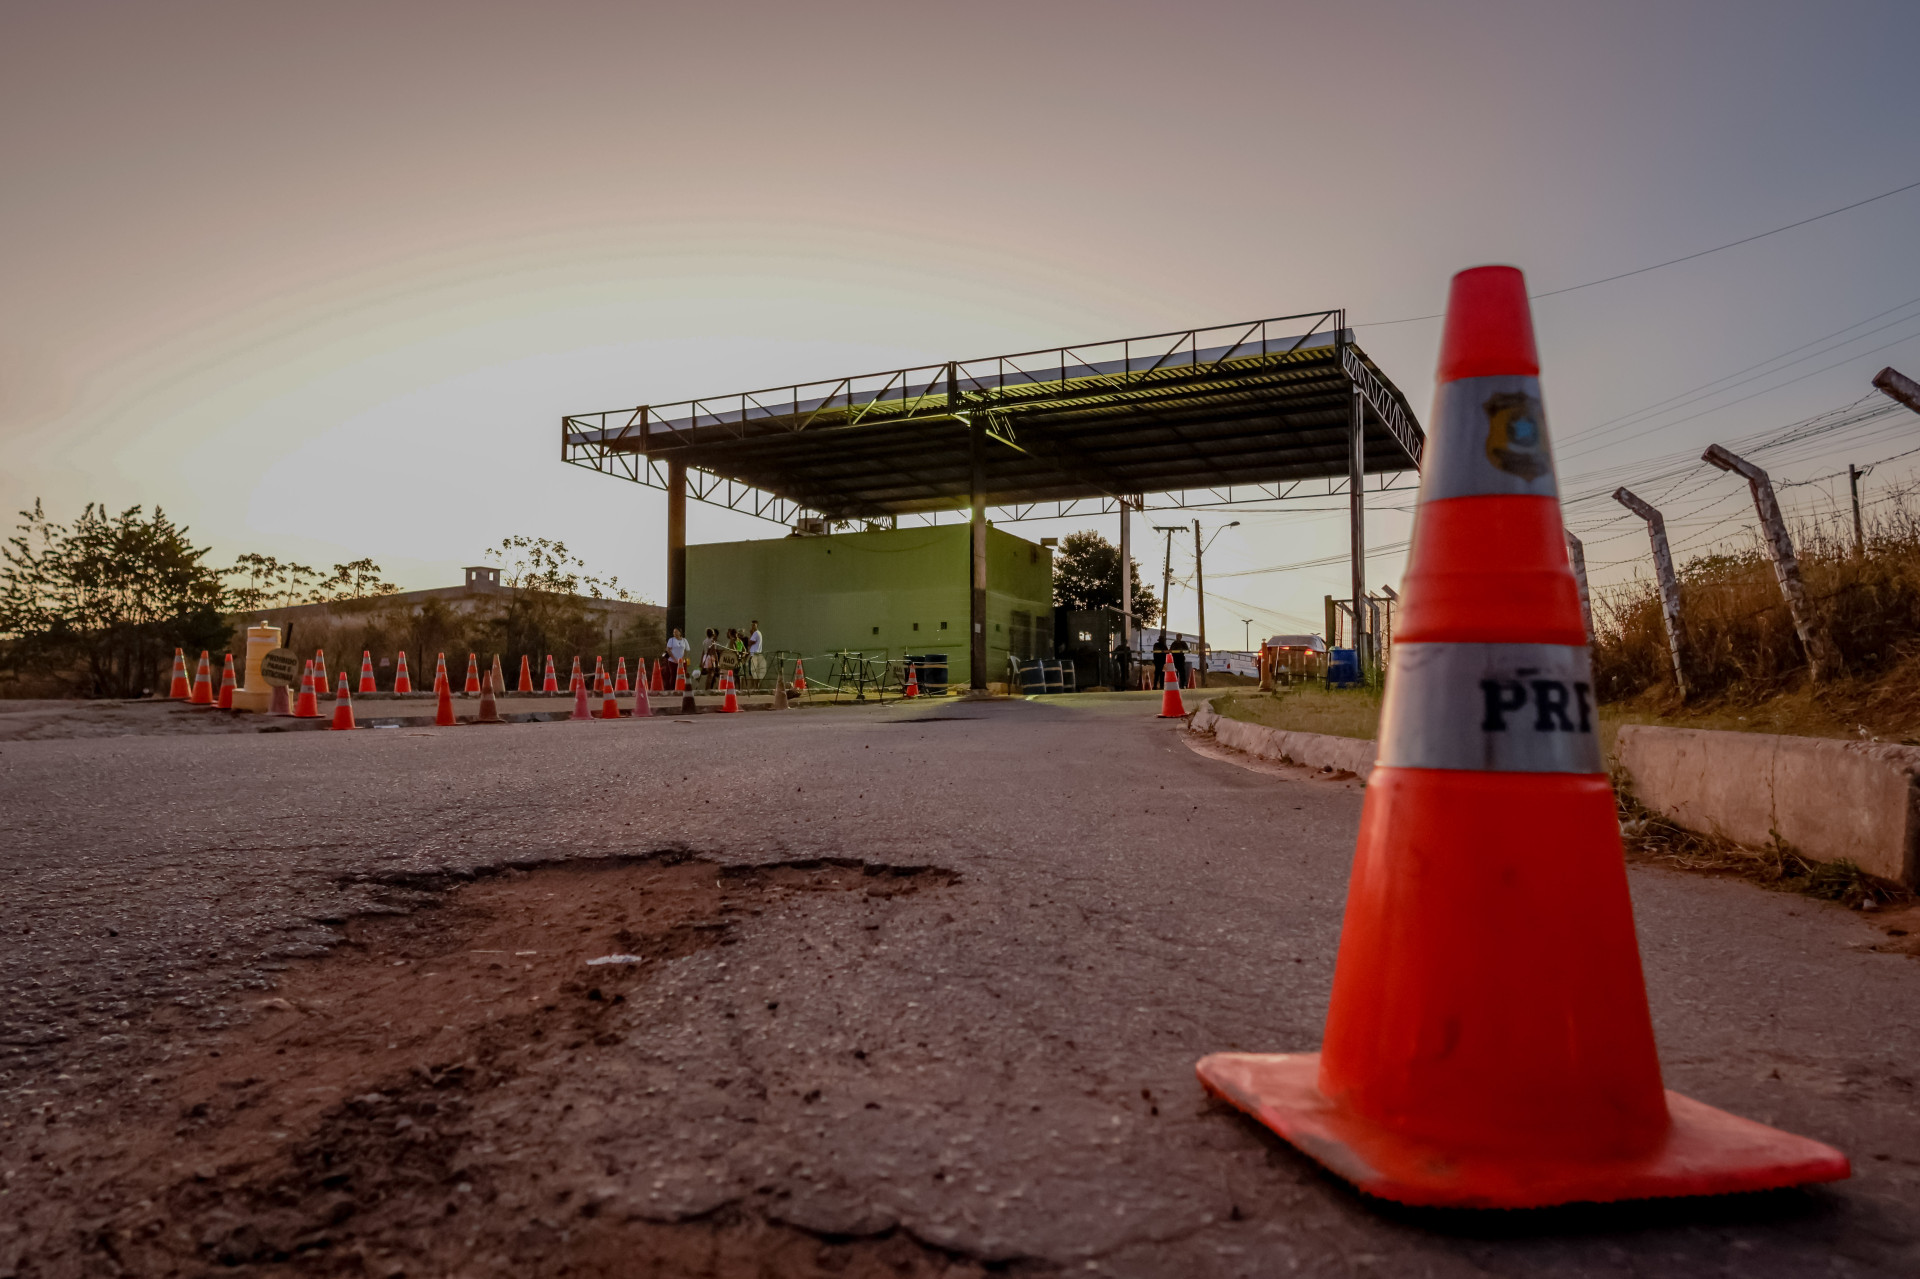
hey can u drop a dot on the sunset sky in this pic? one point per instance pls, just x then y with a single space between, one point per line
321 280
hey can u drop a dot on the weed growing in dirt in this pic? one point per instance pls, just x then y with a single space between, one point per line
1650 837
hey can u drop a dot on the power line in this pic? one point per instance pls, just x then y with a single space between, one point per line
1731 244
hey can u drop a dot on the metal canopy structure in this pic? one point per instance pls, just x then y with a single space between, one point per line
1201 417
1233 413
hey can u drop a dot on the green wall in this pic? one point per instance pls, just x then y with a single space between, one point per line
869 591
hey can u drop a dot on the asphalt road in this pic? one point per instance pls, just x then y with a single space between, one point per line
1124 906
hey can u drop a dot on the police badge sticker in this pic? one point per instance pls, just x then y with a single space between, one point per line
1516 434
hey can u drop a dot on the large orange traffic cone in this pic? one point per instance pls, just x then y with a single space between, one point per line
228 687
402 682
319 672
609 702
687 705
440 673
499 677
642 704
366 673
308 706
489 708
620 677
526 674
1171 707
799 678
732 704
576 681
443 715
472 687
343 706
202 682
913 682
182 689
657 684
549 683
580 710
1488 1042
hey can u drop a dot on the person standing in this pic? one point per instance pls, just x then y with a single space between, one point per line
676 648
710 659
756 663
1158 674
1179 650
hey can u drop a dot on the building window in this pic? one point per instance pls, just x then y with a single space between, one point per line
916 626
1086 637
943 626
876 630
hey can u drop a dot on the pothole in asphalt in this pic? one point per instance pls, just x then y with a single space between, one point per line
338 1132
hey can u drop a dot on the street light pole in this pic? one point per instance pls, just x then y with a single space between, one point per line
1200 587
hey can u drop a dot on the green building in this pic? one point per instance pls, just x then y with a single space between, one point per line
884 592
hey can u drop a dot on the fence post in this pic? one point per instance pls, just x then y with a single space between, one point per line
1822 658
1577 556
1669 584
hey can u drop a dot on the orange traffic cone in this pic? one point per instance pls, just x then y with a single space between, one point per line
599 669
440 672
228 687
202 683
549 683
343 706
308 707
913 682
1171 707
732 704
278 700
799 678
366 673
402 682
489 708
687 705
576 681
181 689
620 678
1488 1042
499 676
319 672
642 704
656 684
609 700
526 674
443 715
580 710
472 687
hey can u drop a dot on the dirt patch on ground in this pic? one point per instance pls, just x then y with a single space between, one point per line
334 1134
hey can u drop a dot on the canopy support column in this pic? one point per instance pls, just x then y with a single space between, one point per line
1357 517
977 541
676 547
1126 585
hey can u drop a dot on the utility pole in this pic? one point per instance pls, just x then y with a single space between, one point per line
1357 522
1577 557
1859 532
1822 659
1166 577
1669 584
1246 634
1200 599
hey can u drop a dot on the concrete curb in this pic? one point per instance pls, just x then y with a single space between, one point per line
1312 750
1825 798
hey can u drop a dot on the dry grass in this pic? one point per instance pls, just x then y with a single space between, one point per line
1649 837
1347 712
1745 664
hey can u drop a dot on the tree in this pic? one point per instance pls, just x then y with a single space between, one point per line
268 583
1086 576
101 603
546 611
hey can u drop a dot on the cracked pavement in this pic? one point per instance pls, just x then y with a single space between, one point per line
1001 1066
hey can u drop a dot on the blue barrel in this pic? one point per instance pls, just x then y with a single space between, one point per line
1050 673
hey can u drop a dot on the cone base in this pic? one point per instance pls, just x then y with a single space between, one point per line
1705 1152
